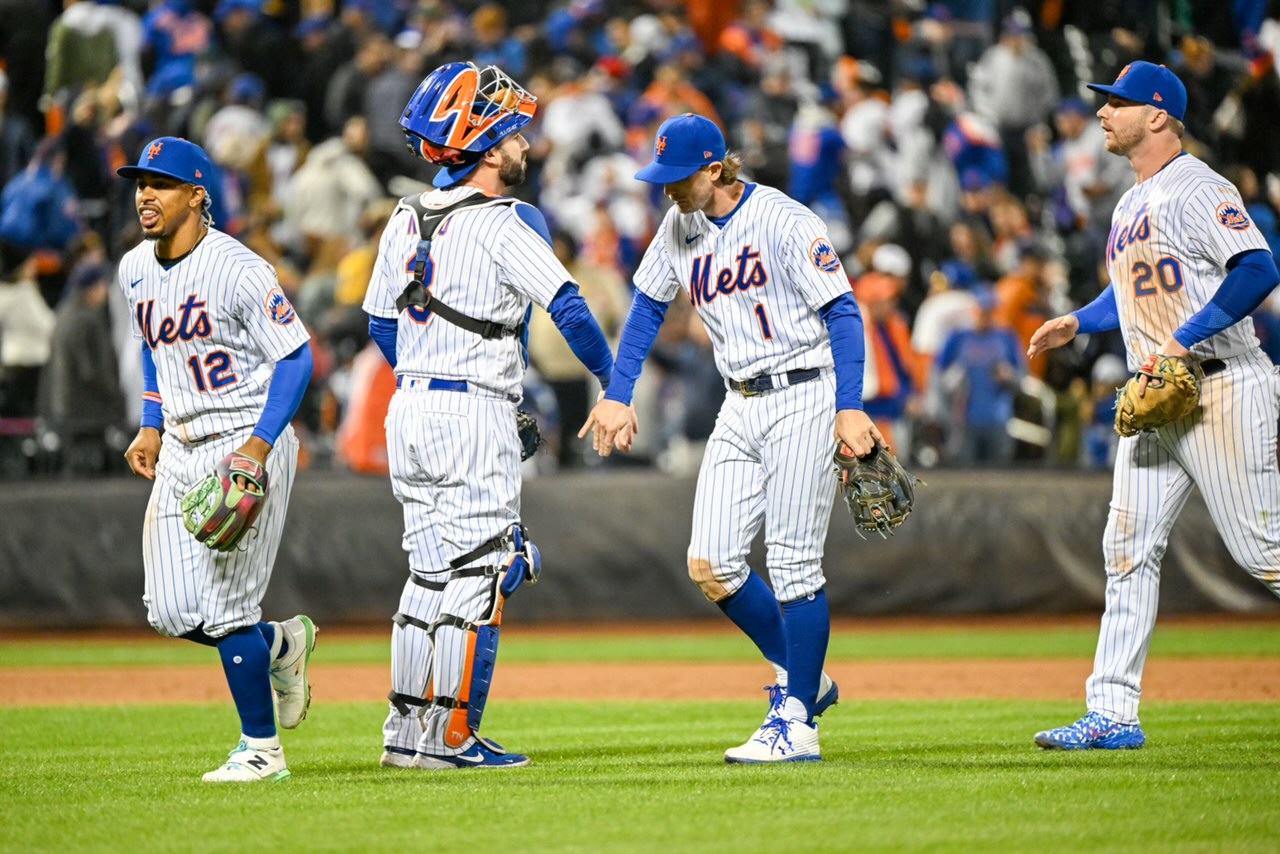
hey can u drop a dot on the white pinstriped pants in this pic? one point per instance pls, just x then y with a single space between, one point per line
768 462
455 469
1228 450
188 585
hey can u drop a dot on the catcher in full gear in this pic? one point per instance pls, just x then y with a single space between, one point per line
459 270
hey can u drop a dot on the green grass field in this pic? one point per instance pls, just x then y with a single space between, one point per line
618 776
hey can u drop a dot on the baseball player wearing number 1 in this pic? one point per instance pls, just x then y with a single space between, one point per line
458 271
1187 267
225 363
787 337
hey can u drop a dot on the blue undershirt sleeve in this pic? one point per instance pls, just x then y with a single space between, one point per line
571 316
638 334
288 385
1101 315
844 326
383 332
1252 276
152 406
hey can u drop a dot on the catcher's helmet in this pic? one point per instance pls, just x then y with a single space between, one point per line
459 112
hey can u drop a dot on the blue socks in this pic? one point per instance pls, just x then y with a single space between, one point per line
808 628
268 635
753 608
246 661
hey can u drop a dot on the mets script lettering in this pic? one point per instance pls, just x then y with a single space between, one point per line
192 322
748 273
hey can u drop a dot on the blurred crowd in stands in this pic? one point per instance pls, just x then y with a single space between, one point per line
950 146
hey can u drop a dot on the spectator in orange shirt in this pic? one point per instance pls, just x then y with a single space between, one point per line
1021 300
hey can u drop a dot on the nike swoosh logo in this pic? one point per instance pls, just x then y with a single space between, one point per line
135 283
471 760
691 238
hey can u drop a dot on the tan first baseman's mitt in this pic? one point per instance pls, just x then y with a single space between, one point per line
1173 392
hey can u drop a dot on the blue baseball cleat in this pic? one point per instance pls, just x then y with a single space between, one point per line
1094 731
481 754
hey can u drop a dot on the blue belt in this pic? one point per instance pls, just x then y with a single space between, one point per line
755 385
432 383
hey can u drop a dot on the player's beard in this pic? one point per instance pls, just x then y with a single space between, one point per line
512 172
1124 139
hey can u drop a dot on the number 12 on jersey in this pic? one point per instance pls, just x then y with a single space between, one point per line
214 373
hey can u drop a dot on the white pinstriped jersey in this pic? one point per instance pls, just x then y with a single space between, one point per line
216 322
757 283
487 263
1171 237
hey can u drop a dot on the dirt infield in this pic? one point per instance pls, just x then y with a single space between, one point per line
1200 679
1208 679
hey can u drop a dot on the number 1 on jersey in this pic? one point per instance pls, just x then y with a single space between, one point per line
763 317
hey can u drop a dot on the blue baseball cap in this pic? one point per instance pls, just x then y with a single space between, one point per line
1148 83
172 157
682 146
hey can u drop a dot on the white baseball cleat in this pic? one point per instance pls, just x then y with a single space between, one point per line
783 737
289 674
251 765
396 759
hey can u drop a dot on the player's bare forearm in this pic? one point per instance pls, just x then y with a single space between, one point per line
610 422
856 431
1173 348
256 448
143 452
1053 334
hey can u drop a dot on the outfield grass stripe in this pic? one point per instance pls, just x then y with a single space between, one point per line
528 644
644 777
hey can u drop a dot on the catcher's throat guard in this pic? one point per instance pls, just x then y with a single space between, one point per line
880 493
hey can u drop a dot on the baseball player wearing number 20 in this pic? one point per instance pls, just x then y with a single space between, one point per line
1187 267
787 337
225 362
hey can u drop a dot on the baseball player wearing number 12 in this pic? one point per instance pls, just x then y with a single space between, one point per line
1187 267
787 337
225 362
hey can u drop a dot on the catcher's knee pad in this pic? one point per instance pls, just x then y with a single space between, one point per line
411 643
713 581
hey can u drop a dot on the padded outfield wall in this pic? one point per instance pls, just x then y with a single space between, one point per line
613 546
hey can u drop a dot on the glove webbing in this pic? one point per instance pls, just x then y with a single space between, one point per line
416 293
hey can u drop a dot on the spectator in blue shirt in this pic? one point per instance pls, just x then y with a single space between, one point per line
985 364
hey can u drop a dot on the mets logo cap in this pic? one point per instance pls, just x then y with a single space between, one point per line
1148 83
172 157
682 146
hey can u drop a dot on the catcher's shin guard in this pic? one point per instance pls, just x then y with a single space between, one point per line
466 635
465 654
